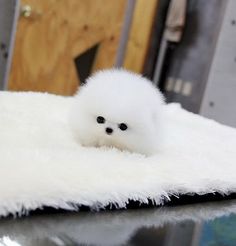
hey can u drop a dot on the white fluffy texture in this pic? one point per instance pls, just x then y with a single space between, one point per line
42 165
120 97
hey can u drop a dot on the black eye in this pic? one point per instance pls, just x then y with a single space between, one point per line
123 126
100 120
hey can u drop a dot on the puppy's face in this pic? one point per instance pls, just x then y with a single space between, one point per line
120 125
111 126
110 132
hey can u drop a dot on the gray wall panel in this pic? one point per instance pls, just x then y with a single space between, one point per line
219 101
8 20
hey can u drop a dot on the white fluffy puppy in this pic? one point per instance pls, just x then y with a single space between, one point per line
120 109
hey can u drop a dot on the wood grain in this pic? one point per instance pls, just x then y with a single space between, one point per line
139 38
57 32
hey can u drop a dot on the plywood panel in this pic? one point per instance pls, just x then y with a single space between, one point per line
58 31
140 34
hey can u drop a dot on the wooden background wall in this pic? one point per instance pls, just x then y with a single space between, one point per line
54 32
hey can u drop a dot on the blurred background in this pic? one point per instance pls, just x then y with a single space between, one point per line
186 47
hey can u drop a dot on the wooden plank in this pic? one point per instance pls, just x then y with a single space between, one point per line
141 28
107 52
54 34
109 46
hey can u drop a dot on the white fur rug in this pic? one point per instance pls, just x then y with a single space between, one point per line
42 165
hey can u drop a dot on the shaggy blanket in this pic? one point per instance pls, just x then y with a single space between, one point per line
41 164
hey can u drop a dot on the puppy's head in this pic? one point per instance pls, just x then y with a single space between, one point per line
115 108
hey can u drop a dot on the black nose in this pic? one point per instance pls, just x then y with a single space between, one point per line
109 130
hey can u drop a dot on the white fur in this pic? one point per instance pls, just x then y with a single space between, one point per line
120 97
41 164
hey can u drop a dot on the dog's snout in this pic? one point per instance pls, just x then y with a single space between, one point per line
109 130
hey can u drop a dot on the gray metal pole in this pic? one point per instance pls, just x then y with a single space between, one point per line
9 13
125 33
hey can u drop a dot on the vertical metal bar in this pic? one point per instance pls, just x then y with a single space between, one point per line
125 32
160 61
9 11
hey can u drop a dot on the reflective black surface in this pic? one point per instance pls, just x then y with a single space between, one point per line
208 224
